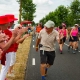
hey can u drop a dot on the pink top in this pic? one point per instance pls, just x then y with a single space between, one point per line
64 32
61 34
74 32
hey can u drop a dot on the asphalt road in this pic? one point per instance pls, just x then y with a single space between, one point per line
66 66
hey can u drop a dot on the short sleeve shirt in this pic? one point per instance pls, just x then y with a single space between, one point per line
48 40
9 33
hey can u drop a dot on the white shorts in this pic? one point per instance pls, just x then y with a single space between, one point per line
13 58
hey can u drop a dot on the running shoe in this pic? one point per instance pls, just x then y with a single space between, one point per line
43 78
77 49
60 51
74 52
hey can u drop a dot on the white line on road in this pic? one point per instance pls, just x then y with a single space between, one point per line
33 61
78 51
66 44
33 46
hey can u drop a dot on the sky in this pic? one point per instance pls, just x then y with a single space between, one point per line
43 7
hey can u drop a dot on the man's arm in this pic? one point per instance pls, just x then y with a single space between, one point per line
1 52
67 33
57 36
37 43
20 32
22 39
8 44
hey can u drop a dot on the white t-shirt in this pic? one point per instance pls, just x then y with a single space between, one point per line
48 40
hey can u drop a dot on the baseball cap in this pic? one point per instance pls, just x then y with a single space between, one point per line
76 25
49 24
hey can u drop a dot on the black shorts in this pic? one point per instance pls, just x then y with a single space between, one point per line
75 38
70 39
47 57
64 39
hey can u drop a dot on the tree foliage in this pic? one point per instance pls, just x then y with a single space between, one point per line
58 16
75 10
28 9
69 15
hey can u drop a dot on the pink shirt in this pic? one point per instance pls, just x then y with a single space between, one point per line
60 33
64 32
74 32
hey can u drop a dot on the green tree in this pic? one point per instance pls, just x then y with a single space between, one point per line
27 9
75 11
59 15
20 9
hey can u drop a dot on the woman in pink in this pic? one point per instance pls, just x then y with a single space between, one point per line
65 32
74 37
60 38
63 36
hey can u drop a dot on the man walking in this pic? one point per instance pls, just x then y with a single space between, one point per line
45 41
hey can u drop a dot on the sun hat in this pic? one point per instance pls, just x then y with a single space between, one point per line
11 17
4 20
49 24
76 25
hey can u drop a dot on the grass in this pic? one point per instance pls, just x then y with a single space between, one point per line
21 60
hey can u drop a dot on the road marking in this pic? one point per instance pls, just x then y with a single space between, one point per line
78 51
33 40
33 46
66 44
33 61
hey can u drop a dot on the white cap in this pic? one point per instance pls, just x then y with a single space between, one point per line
76 25
49 24
17 25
